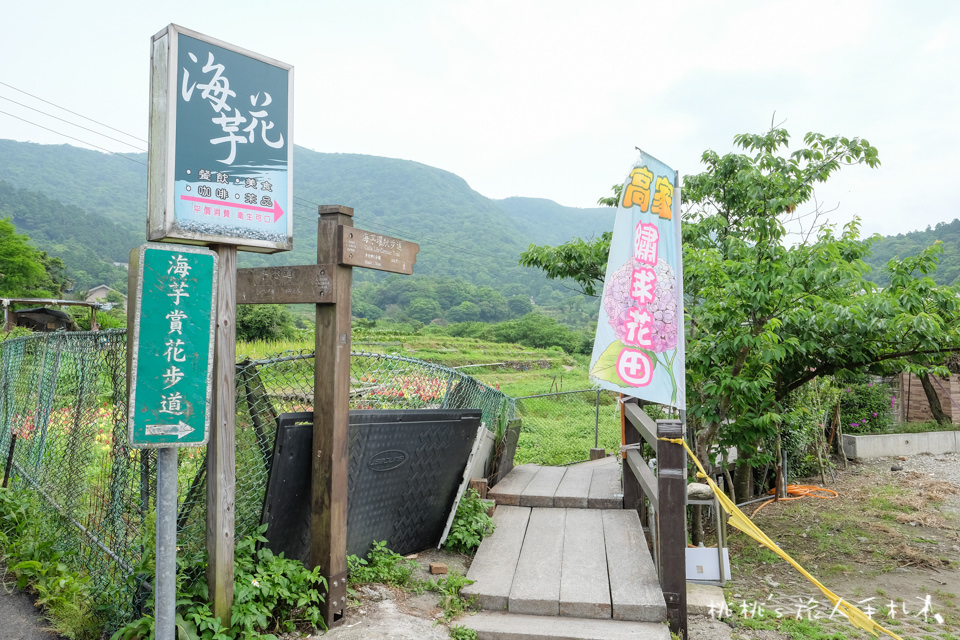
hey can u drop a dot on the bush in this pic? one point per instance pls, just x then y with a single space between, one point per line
382 566
865 407
28 542
16 332
470 525
272 594
804 416
264 322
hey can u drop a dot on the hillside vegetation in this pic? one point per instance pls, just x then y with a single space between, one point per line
909 244
80 205
89 209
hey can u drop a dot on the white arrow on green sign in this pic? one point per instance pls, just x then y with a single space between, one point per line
180 429
171 345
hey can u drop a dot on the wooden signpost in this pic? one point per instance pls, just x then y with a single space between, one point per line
286 285
340 247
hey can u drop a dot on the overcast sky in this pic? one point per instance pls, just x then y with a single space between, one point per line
539 98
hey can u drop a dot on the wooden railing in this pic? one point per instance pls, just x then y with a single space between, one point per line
665 492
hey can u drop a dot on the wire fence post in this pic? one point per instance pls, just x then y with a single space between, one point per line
596 429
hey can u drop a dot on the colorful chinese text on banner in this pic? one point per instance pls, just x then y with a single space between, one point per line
639 347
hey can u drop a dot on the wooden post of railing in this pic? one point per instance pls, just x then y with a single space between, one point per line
671 524
633 498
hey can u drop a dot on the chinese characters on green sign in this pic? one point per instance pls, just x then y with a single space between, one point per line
172 345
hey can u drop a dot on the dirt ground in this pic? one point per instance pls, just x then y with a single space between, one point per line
889 543
19 619
378 612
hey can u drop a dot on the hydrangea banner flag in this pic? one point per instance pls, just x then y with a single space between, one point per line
639 347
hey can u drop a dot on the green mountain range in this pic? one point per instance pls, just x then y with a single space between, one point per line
89 209
908 244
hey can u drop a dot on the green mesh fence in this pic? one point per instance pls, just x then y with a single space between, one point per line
63 407
561 428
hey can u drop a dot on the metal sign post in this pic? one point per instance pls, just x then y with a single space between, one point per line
170 355
171 345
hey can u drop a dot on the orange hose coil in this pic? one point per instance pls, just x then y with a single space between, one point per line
798 491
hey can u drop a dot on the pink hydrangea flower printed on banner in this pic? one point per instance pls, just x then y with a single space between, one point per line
642 306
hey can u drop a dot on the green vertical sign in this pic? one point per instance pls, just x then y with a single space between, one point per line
171 345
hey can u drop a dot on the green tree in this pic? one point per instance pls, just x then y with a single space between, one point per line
493 306
424 309
764 316
26 272
366 310
583 261
264 322
519 305
466 311
535 330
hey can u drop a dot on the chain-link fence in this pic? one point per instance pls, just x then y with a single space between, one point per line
63 431
561 428
63 421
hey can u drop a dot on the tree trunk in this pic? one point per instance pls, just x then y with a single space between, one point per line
935 408
696 525
742 480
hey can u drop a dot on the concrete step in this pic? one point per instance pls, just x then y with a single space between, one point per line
491 625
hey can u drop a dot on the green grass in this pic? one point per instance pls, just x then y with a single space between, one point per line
562 429
556 430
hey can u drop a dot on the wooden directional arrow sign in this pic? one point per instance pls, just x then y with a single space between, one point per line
359 248
309 284
171 345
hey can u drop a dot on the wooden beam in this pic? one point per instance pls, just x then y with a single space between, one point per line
309 284
9 320
643 423
633 494
331 393
221 457
644 477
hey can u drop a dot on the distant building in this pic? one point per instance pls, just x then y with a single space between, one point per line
44 319
40 317
99 294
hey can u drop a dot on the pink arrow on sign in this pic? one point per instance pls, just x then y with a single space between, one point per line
275 210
